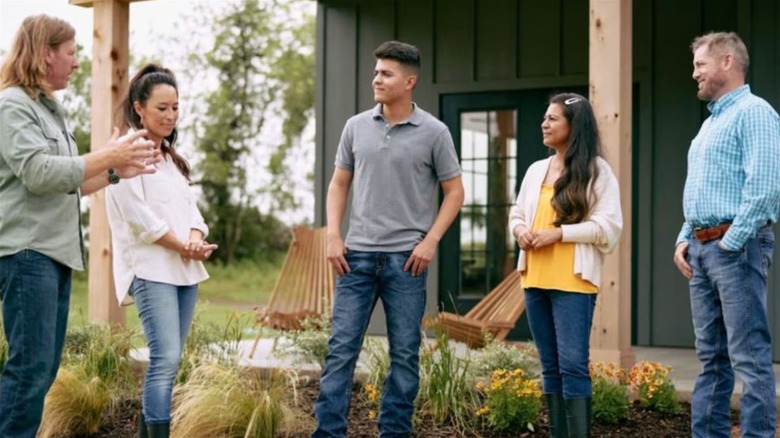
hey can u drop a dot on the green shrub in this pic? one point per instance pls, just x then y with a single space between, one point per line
654 388
377 361
498 355
308 345
512 401
446 392
207 342
611 401
95 350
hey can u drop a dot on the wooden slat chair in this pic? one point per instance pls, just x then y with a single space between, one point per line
305 284
497 313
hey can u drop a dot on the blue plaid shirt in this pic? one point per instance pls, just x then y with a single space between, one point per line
734 168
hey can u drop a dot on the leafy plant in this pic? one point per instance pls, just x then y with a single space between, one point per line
611 401
96 350
446 391
653 387
310 344
222 400
512 401
74 405
209 343
377 361
498 355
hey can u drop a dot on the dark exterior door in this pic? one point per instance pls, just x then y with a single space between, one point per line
497 136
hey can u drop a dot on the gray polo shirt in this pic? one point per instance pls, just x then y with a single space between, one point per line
40 176
396 171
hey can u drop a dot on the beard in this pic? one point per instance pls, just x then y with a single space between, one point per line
712 86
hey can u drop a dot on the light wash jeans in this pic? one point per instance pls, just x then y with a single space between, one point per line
560 325
374 275
35 291
728 302
166 313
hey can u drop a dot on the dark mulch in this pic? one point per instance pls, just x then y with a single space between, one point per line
642 423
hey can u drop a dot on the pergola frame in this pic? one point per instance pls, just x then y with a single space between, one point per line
109 81
610 79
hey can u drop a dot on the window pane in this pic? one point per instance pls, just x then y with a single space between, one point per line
488 151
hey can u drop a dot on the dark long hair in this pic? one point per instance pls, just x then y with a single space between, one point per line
140 90
580 165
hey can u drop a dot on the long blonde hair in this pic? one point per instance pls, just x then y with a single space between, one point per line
24 64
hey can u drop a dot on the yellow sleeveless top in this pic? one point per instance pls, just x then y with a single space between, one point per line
552 267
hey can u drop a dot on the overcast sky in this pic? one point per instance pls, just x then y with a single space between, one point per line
151 24
147 18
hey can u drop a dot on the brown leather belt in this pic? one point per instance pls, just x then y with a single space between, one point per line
711 233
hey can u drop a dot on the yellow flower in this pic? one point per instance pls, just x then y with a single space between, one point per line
371 415
483 411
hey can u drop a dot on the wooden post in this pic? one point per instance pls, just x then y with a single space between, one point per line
610 93
109 80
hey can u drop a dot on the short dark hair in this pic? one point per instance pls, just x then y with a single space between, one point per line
406 54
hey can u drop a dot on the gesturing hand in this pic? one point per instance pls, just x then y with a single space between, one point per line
132 151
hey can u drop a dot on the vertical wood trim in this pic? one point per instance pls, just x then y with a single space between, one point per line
109 81
610 71
320 183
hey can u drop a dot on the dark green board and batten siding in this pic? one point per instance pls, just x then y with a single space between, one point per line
495 46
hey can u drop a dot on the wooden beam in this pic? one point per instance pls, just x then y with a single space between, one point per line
91 3
109 80
610 83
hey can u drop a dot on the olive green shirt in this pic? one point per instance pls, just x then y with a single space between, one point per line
40 176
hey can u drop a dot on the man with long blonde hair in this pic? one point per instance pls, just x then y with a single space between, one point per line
41 181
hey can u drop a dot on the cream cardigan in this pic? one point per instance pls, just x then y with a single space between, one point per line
596 236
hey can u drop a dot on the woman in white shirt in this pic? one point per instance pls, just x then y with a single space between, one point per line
158 242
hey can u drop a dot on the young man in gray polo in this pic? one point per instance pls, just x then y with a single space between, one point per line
396 154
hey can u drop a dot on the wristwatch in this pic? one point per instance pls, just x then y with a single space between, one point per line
113 178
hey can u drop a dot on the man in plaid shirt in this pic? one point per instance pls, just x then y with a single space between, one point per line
725 247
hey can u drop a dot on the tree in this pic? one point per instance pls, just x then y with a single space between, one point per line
264 66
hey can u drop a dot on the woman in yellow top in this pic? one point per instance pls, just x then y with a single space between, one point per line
566 217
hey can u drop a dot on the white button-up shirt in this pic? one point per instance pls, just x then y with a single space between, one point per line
143 209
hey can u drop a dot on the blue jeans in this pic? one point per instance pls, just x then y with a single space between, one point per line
373 275
35 291
728 302
560 324
166 313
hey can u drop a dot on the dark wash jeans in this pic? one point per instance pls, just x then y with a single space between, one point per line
374 275
728 303
560 324
35 291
